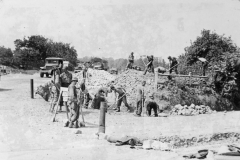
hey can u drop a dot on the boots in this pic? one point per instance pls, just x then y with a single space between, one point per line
75 125
66 124
70 125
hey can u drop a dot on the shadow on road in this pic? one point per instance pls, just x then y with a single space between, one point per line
2 89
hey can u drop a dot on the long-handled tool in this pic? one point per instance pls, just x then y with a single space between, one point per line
57 106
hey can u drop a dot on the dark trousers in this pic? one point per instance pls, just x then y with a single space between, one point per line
130 65
172 68
149 67
84 74
97 101
151 106
87 98
139 107
124 100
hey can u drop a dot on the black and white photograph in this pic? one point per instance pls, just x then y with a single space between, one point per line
119 79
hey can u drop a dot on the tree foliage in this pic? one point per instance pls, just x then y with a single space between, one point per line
210 46
6 56
223 62
33 50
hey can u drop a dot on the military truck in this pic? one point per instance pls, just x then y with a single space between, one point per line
113 71
50 64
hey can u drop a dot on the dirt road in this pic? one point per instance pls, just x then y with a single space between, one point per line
26 130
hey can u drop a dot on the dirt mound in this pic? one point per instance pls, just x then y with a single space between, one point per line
132 79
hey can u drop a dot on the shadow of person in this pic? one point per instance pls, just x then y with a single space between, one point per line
2 89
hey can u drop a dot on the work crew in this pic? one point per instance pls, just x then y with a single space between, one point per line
130 61
149 66
55 90
66 78
120 98
150 105
173 64
73 106
140 98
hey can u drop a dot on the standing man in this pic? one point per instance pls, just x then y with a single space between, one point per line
173 64
66 78
73 106
130 61
151 104
140 99
120 98
149 66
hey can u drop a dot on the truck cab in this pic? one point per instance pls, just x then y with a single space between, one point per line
50 64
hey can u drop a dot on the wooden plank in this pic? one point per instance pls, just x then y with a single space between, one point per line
180 75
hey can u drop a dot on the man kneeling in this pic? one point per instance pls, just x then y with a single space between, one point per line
151 104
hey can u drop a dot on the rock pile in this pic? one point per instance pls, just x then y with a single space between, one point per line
131 79
96 77
190 110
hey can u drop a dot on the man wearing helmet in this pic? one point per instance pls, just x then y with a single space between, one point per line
149 66
120 98
173 64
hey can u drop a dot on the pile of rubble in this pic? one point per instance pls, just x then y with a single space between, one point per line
190 110
131 79
96 79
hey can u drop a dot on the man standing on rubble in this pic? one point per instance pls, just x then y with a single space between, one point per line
149 66
120 98
151 104
66 78
140 98
130 61
173 64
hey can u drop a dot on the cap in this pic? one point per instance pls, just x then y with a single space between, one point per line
75 79
169 57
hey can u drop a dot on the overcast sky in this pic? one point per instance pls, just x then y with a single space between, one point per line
114 28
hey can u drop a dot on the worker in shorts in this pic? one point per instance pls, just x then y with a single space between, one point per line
120 98
65 78
73 104
150 104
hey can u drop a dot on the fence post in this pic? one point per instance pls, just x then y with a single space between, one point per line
31 87
103 108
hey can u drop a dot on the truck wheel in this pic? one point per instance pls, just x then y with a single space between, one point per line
47 75
41 75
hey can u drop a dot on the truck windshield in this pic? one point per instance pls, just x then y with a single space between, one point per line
52 61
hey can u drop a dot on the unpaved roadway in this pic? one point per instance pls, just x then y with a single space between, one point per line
27 130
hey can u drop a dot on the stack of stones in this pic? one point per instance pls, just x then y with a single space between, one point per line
190 110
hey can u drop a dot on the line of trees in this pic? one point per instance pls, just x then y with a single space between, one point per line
31 52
